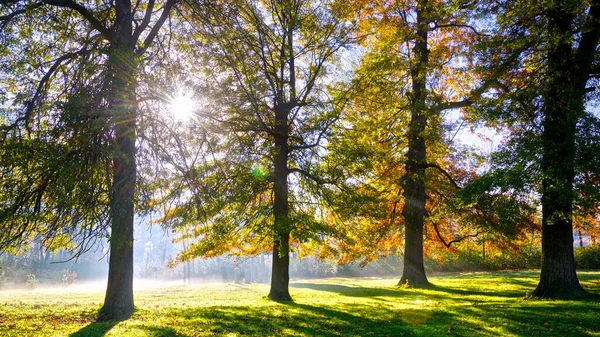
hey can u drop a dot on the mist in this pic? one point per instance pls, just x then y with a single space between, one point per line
38 268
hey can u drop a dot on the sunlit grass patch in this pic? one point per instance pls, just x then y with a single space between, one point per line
474 304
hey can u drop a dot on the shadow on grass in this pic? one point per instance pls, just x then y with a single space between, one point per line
162 332
537 318
354 291
470 292
357 291
337 319
293 319
101 326
95 329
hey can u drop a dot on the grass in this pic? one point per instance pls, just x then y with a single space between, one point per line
476 304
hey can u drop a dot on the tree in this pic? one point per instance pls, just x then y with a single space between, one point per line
109 38
567 76
265 65
425 51
545 108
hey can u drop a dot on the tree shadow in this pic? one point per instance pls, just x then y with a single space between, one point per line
293 319
358 291
95 329
470 292
101 326
162 331
352 291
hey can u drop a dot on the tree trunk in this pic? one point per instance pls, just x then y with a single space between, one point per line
562 110
280 277
118 302
558 278
414 185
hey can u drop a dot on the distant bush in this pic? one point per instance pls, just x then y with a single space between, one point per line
587 257
31 281
68 277
465 258
311 267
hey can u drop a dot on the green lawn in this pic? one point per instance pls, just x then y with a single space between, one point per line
480 304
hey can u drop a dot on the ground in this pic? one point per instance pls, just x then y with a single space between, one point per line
471 304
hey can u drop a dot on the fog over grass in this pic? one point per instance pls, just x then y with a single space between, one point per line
153 249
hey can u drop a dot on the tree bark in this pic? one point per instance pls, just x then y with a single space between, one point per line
414 185
118 302
280 277
563 108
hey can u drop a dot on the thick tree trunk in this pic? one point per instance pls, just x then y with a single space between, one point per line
414 185
280 277
118 302
563 108
558 278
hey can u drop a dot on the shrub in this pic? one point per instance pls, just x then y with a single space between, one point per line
2 279
587 257
466 258
68 277
30 281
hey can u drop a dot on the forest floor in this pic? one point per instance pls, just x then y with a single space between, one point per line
468 304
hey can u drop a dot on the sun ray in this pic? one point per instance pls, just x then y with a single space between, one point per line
182 106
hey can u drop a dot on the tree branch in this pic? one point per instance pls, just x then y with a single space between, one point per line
85 13
5 19
448 244
318 141
473 96
145 22
445 173
161 20
491 82
307 175
588 44
40 89
458 25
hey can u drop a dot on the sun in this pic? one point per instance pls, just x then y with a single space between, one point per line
182 106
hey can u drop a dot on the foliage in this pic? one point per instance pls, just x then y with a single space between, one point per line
470 304
261 63
411 75
31 281
58 127
588 257
547 104
68 277
471 256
